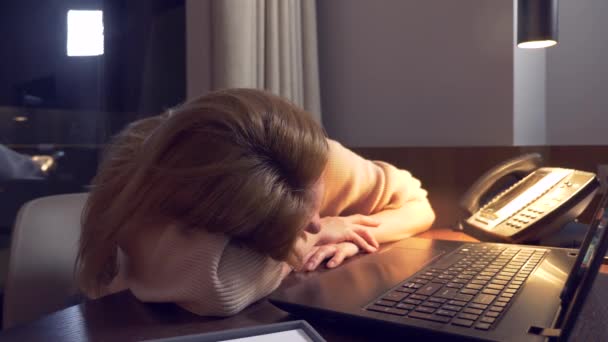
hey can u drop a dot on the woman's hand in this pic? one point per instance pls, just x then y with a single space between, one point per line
354 228
337 252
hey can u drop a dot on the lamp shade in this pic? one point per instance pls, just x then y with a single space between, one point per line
536 23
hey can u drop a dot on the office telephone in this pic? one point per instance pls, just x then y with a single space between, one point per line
519 201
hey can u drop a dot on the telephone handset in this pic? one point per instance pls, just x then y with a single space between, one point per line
520 201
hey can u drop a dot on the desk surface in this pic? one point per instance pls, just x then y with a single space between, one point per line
121 317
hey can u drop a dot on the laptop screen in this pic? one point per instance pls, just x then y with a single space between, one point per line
588 249
585 269
595 240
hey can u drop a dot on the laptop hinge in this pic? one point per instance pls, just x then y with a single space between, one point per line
546 332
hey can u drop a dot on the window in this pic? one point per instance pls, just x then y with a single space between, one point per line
85 33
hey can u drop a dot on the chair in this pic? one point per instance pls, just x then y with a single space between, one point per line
43 250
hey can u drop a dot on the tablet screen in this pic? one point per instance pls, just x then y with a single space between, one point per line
295 335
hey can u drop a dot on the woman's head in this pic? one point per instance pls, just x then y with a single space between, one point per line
241 162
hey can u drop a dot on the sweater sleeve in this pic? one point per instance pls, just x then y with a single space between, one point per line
204 273
355 185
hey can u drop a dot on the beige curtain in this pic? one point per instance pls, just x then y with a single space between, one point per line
267 44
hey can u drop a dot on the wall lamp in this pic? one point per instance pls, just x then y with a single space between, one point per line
536 23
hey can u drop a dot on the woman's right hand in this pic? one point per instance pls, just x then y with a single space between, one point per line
336 253
355 229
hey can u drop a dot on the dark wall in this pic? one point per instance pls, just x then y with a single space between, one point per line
34 57
145 55
142 70
74 104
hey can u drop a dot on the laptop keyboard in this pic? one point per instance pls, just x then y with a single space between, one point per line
469 288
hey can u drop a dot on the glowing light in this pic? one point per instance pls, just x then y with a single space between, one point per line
20 118
85 33
537 44
45 162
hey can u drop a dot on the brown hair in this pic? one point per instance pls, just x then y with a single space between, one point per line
239 161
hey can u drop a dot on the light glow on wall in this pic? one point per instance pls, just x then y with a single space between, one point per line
85 33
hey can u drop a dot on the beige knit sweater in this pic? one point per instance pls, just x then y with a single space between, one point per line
207 274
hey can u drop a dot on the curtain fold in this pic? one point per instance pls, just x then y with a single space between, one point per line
267 44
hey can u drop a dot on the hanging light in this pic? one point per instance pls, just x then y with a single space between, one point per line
536 23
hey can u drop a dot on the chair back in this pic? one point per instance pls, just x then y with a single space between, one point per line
44 245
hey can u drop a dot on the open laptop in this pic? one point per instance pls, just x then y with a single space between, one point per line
486 291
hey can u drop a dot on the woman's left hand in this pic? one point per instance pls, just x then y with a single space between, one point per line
336 253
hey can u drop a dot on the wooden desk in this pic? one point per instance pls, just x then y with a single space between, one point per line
121 317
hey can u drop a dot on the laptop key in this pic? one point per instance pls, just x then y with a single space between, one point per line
462 322
492 314
482 326
469 291
395 296
484 298
478 306
447 313
437 300
480 282
490 291
447 293
425 309
463 297
431 304
472 311
451 307
457 302
405 306
412 301
487 319
429 317
405 290
419 297
384 309
385 303
495 286
429 289
503 299
469 316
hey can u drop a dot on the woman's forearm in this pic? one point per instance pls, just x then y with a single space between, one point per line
412 218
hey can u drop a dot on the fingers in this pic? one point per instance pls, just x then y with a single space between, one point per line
362 243
367 236
344 250
337 259
321 254
365 220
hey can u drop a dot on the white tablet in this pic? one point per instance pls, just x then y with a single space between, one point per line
293 331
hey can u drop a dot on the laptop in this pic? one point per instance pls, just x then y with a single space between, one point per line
440 289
